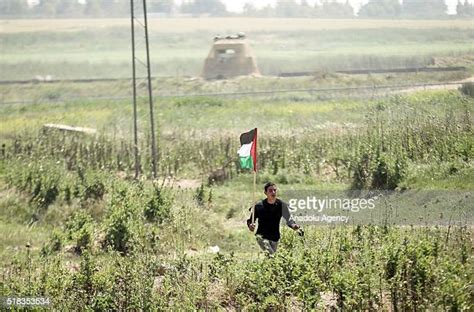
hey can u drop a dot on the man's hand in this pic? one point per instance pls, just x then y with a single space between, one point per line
251 227
295 227
298 229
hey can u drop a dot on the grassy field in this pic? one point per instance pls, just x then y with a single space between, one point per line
75 225
226 24
328 86
77 228
101 48
282 114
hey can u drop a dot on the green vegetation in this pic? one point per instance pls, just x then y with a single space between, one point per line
468 89
328 86
109 234
105 52
356 269
76 227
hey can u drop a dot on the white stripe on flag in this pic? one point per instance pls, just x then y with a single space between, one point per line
244 150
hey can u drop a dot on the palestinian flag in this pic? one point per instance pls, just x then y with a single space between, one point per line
248 150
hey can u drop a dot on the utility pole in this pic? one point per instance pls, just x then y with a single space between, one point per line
134 85
135 19
150 97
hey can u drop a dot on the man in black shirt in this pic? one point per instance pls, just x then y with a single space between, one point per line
268 212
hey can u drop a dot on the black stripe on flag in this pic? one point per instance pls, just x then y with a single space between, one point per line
246 138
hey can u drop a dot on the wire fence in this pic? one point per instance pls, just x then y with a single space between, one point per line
372 91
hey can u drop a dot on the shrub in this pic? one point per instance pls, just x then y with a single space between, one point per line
200 195
122 224
388 173
467 88
54 245
158 206
79 228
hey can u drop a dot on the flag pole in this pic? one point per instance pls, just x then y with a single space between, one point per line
253 197
254 177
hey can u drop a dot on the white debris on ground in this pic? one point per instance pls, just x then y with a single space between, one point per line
213 249
328 301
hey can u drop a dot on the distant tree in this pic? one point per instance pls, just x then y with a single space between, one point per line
47 8
108 8
249 9
161 6
93 8
122 7
199 7
465 10
287 8
337 9
307 10
266 11
14 8
424 8
381 8
68 8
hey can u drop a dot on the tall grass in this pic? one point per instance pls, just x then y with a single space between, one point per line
340 268
139 245
374 155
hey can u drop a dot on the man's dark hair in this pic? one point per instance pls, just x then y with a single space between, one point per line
267 185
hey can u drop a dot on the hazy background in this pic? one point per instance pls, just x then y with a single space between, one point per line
263 8
237 5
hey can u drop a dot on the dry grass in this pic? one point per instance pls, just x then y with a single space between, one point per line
230 24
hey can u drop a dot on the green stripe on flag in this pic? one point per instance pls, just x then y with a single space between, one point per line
246 162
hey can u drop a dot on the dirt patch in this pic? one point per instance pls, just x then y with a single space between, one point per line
451 86
180 183
445 61
187 183
470 79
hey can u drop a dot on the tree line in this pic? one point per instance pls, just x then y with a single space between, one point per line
282 8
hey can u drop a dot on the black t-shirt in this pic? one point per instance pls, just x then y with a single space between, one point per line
269 216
